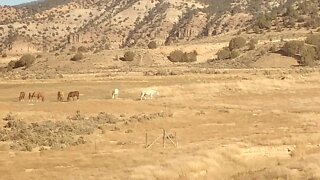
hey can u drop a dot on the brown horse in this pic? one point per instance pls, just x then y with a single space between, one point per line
38 95
22 96
72 95
60 96
32 95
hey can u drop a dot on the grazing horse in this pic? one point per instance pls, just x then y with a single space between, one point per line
22 96
38 95
60 96
72 95
32 95
115 94
148 92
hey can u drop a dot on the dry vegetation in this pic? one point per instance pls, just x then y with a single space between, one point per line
239 88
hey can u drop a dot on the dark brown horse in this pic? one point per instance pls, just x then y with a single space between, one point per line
38 95
73 95
60 96
22 96
32 95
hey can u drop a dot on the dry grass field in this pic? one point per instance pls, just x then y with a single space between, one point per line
240 124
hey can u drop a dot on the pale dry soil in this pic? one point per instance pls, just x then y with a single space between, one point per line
239 125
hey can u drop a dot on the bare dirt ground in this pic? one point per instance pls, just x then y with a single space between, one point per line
240 124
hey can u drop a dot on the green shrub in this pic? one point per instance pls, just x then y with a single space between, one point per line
237 43
180 56
128 56
292 48
82 49
11 65
308 56
25 61
273 48
176 56
234 54
73 49
224 54
252 44
152 45
263 21
313 39
77 57
190 57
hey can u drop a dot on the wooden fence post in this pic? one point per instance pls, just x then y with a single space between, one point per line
164 138
146 138
175 136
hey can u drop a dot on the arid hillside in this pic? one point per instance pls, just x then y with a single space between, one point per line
98 25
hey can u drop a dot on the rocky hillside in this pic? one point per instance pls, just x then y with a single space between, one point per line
64 25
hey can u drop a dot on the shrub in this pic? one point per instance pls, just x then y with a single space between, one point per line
25 61
190 57
252 44
128 56
4 55
77 57
263 21
39 56
176 56
313 39
292 48
308 56
234 54
11 65
152 45
180 56
73 49
224 54
237 43
273 48
82 49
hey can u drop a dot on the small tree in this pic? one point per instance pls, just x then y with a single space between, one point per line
237 43
176 56
252 44
190 57
82 49
224 54
77 57
292 48
234 54
308 55
273 48
11 65
128 56
152 45
313 39
180 56
263 21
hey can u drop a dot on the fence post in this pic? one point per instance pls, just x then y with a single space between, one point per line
146 138
164 138
175 136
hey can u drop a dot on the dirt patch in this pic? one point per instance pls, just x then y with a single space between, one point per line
275 61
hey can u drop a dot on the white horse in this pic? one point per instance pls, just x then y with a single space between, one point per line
148 92
115 94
